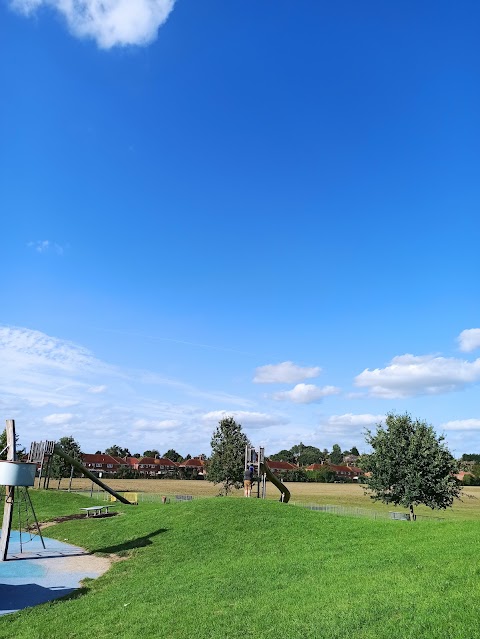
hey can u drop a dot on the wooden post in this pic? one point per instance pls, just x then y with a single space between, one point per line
71 477
9 493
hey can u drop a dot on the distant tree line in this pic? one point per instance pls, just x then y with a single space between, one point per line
303 455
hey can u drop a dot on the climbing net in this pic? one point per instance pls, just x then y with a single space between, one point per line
24 518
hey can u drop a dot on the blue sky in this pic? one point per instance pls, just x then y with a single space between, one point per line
265 209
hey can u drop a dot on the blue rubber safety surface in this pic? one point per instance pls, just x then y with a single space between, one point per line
37 575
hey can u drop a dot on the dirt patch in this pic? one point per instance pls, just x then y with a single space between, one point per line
60 520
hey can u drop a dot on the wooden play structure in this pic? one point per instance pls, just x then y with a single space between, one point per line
17 476
256 457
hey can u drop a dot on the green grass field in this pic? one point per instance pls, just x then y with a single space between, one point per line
230 568
350 495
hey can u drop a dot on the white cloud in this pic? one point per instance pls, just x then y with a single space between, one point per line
249 419
154 425
350 420
44 246
109 22
58 418
410 375
462 424
42 376
469 339
306 393
285 373
347 429
97 389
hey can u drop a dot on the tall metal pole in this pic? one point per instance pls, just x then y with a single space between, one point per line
9 493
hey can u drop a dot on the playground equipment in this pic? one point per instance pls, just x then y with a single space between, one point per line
21 475
16 475
256 457
42 452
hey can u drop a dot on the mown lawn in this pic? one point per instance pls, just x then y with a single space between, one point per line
349 495
229 568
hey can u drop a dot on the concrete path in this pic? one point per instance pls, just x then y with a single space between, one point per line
37 575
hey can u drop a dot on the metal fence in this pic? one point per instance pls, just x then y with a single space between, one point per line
149 498
334 509
354 511
351 511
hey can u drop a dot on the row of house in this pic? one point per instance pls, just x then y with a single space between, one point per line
156 467
147 466
342 473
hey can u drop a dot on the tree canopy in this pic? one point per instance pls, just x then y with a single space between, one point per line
117 451
409 465
300 454
336 456
226 464
150 453
283 455
3 445
173 455
465 457
60 467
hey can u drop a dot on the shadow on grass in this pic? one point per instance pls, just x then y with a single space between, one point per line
138 542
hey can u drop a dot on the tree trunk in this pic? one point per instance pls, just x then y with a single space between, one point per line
413 516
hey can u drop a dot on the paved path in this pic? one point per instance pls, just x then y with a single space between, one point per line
37 575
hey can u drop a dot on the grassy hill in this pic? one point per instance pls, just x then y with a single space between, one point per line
229 568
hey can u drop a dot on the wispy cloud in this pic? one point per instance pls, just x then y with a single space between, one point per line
348 429
306 393
46 246
97 389
469 339
462 424
161 425
350 421
284 373
109 22
249 419
43 377
410 375
58 418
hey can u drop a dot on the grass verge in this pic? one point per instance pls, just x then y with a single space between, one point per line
227 568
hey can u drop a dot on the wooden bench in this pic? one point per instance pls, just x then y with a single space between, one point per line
400 516
96 510
183 497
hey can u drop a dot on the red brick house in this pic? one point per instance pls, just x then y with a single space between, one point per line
155 466
342 473
193 467
280 466
346 472
102 463
461 475
316 467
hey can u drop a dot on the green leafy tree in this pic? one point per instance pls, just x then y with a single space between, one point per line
3 445
173 455
336 456
283 455
354 451
471 457
226 464
324 475
410 465
117 451
151 453
60 467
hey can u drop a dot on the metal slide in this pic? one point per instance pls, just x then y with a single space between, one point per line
275 481
76 464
